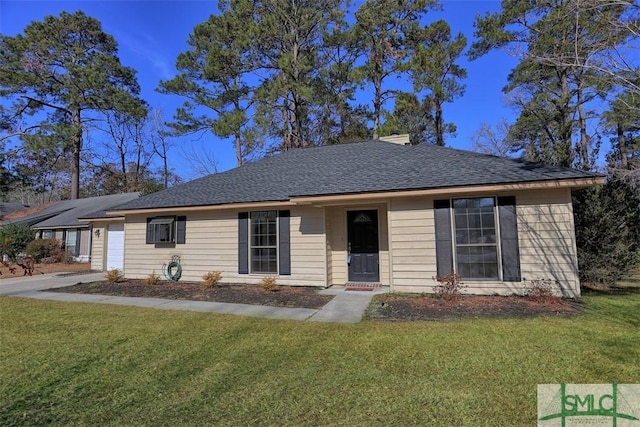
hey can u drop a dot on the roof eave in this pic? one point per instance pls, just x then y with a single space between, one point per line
114 218
332 198
176 209
502 187
60 227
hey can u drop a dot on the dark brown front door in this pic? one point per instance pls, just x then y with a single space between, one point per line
363 256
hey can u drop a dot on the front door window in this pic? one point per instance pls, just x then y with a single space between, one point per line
363 256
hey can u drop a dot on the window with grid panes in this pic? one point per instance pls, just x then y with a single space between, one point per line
264 242
476 247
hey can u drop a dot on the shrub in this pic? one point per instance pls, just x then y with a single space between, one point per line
540 289
40 249
152 279
449 286
67 258
27 263
269 283
211 279
607 224
14 239
114 275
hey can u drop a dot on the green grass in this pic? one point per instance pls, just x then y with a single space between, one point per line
86 364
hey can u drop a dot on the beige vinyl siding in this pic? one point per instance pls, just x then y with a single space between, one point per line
336 244
98 246
212 245
545 235
319 244
413 248
547 238
385 261
308 258
546 241
336 220
328 225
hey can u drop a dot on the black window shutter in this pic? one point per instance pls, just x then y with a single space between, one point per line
444 246
149 232
181 229
243 242
284 243
509 239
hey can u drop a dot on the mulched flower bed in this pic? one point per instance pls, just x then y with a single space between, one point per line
386 307
284 296
428 307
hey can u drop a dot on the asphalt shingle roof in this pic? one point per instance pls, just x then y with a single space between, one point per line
66 212
7 208
370 166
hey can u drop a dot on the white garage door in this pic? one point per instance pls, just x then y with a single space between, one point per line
115 247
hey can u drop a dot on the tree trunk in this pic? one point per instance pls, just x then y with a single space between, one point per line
622 146
286 129
439 127
584 137
123 169
377 100
297 121
564 152
238 144
166 172
76 148
237 132
296 117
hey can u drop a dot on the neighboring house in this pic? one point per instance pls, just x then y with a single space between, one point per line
9 208
62 221
377 211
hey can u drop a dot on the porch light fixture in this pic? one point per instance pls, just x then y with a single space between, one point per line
97 232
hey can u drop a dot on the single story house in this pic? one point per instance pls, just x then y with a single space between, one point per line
379 211
9 208
62 221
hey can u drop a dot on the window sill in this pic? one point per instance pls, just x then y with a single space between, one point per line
164 245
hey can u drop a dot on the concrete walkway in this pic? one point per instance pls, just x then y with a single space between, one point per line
345 307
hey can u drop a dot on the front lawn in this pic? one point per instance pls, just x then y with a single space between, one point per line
88 364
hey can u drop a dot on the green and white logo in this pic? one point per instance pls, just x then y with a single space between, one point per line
565 405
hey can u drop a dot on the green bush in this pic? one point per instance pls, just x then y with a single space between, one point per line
45 248
14 239
607 221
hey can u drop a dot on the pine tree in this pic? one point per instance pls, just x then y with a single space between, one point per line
64 67
383 27
214 76
433 69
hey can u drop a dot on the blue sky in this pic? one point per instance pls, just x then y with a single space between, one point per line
151 34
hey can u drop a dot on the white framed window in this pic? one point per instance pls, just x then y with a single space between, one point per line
72 242
263 242
161 230
476 238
